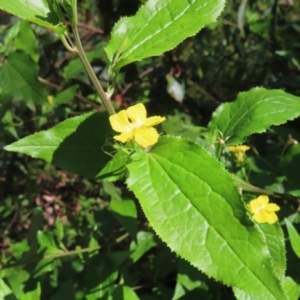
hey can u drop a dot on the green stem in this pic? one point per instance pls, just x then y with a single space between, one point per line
107 103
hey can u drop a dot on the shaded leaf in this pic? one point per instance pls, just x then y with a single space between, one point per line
18 77
74 145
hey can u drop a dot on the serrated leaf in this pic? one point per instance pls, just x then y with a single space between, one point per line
294 237
74 145
291 288
254 112
158 27
18 77
193 204
41 12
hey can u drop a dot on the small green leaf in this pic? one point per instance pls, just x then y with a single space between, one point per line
122 292
41 12
5 291
254 112
74 145
26 41
158 27
194 205
66 95
126 213
291 288
145 241
115 169
18 77
59 230
294 237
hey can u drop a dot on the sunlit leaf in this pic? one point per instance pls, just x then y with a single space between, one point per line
194 205
254 112
158 27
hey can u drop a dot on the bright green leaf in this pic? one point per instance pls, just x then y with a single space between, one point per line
254 112
32 294
194 205
41 12
294 237
122 292
5 291
145 241
158 27
291 288
18 77
74 145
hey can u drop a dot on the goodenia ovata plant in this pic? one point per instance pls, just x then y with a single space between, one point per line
190 199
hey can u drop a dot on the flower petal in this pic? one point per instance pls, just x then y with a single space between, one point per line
258 204
124 136
119 122
146 136
271 218
153 121
272 207
261 217
137 114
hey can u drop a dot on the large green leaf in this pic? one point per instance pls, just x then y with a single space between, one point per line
194 206
158 27
254 112
74 145
41 12
18 77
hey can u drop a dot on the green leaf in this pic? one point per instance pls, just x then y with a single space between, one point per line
126 213
158 27
18 77
75 66
145 241
254 112
66 95
294 237
115 169
289 166
47 243
5 291
41 12
189 279
274 238
74 145
291 288
32 294
59 230
194 205
26 41
122 292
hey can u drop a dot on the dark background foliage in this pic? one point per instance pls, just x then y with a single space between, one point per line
43 207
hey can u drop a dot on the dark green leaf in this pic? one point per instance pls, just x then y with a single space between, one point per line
74 145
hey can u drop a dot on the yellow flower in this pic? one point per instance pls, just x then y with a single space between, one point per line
262 210
133 124
239 151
